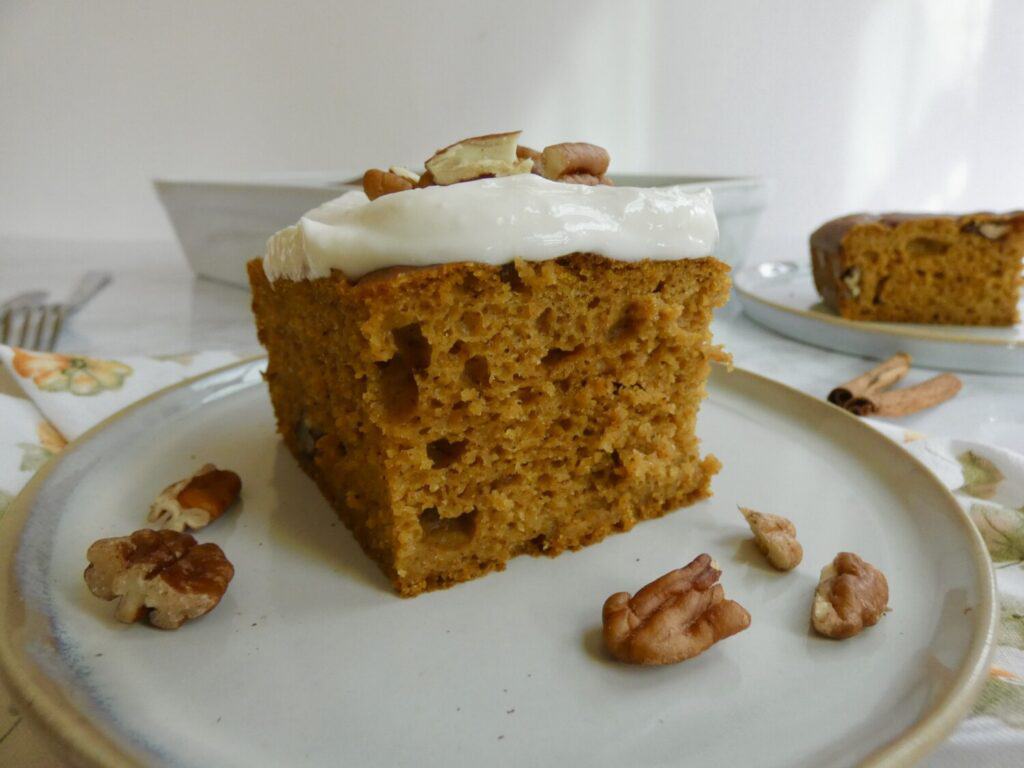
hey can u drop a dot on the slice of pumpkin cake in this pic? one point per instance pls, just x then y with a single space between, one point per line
483 361
921 268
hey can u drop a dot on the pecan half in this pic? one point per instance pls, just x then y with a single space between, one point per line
560 160
675 618
196 501
775 536
163 576
377 183
851 595
477 158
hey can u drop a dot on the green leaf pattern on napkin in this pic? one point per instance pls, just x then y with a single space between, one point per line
1003 697
1002 529
981 476
33 456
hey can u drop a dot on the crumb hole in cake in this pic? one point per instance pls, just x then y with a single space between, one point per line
539 542
472 321
443 453
926 246
456 348
628 325
412 345
447 532
545 320
878 299
471 284
306 436
659 287
555 356
510 276
527 395
399 390
477 371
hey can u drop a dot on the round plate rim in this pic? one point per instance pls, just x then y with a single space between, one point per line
87 743
862 326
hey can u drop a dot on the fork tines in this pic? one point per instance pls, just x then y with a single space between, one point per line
32 327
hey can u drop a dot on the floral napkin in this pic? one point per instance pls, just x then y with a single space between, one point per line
67 394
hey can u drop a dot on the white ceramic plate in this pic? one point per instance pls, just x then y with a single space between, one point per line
311 660
781 296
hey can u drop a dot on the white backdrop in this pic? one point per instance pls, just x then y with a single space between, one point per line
914 104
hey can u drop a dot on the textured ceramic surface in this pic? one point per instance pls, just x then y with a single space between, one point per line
312 660
781 296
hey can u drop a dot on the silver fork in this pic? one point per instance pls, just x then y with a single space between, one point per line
28 321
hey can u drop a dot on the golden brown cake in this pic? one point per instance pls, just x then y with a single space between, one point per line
459 414
921 268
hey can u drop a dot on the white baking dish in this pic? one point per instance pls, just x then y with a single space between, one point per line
223 224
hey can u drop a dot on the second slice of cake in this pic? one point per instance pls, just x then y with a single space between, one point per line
458 414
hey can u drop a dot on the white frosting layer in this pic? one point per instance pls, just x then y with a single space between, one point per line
493 221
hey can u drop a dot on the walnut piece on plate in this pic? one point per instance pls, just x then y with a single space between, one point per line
851 595
197 500
163 576
675 618
775 536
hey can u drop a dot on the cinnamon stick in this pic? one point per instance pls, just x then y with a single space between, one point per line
853 394
927 394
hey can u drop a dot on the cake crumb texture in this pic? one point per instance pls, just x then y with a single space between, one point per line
960 270
459 415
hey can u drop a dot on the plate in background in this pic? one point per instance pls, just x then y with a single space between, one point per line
221 224
312 659
781 295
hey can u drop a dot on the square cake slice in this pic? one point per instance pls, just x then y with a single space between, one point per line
461 414
921 268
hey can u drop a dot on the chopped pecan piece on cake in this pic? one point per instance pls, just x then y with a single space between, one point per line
477 158
162 576
674 618
921 268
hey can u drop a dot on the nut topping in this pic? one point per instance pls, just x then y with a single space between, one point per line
675 618
478 157
852 594
163 576
577 158
851 279
990 230
775 536
196 501
377 183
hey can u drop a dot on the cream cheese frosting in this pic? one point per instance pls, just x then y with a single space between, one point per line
493 221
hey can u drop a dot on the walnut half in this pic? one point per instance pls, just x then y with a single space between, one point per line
775 536
197 500
163 576
852 594
675 618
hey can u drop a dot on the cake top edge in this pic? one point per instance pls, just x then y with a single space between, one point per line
829 236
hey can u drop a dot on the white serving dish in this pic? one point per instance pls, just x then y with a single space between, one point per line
221 224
